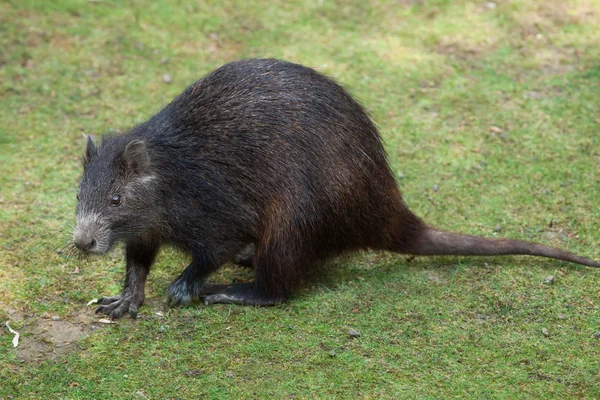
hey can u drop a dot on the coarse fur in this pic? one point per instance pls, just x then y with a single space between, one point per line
261 152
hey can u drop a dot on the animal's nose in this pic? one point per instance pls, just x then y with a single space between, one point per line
84 241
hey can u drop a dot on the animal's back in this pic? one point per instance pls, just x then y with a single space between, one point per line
292 144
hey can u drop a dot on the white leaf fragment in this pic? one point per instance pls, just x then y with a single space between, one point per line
92 301
15 340
106 321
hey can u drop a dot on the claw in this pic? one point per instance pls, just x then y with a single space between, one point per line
93 301
116 306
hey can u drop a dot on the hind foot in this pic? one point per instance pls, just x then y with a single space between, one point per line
182 292
243 293
116 306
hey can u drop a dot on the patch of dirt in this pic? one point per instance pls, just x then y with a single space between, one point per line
553 14
50 339
408 3
462 51
434 277
216 48
43 339
556 238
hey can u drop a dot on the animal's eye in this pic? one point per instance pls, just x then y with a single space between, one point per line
116 200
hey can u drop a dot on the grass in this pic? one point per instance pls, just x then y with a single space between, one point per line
495 103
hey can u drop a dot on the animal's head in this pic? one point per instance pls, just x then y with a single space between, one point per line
116 195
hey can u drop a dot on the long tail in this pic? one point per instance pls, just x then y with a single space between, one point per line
431 241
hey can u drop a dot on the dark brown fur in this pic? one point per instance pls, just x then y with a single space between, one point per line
263 152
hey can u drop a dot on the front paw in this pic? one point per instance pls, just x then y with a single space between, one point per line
116 306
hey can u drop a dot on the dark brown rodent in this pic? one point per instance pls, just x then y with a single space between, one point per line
261 152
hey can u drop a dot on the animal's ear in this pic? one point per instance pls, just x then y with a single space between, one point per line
135 157
90 150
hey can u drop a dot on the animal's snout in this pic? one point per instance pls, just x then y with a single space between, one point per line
84 241
91 234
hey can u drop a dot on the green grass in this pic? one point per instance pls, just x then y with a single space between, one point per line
435 76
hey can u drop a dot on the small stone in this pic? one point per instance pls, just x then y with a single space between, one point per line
167 78
354 333
164 60
436 187
597 335
400 175
549 280
55 318
490 5
332 353
495 129
497 228
545 332
162 329
193 372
